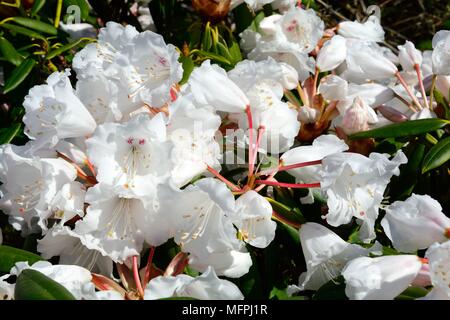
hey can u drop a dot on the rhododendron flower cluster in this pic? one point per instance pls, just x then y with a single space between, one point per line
124 158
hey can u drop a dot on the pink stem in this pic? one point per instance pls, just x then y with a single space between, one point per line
137 279
149 265
270 178
251 164
223 179
408 89
292 166
261 130
288 185
422 88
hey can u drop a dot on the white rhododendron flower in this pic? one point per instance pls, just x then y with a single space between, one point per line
31 185
147 171
205 213
63 242
54 112
326 254
438 256
133 154
381 278
355 185
210 86
416 223
205 287
118 222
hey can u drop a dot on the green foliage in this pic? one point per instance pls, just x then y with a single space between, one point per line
9 256
33 285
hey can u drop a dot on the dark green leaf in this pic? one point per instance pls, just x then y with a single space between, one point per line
36 25
63 49
8 134
22 30
34 285
437 156
9 256
37 6
407 128
9 52
19 75
332 290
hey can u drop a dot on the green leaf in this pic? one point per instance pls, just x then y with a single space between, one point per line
9 52
34 285
9 256
19 75
403 129
8 134
223 51
235 52
37 6
214 57
188 67
207 39
22 30
437 156
63 49
36 25
332 290
412 293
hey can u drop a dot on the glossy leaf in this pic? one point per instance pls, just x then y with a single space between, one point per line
34 285
22 30
37 6
9 256
19 75
403 129
437 156
63 49
9 52
8 134
36 25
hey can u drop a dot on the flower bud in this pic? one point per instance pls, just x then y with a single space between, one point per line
391 114
358 117
214 10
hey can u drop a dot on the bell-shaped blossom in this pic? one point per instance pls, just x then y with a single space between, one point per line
141 66
63 242
333 88
204 287
192 131
355 185
69 201
371 30
30 186
438 256
254 219
381 278
325 253
443 86
204 213
365 62
54 112
358 117
286 38
321 147
416 223
133 154
210 86
264 82
117 222
332 54
409 56
441 53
